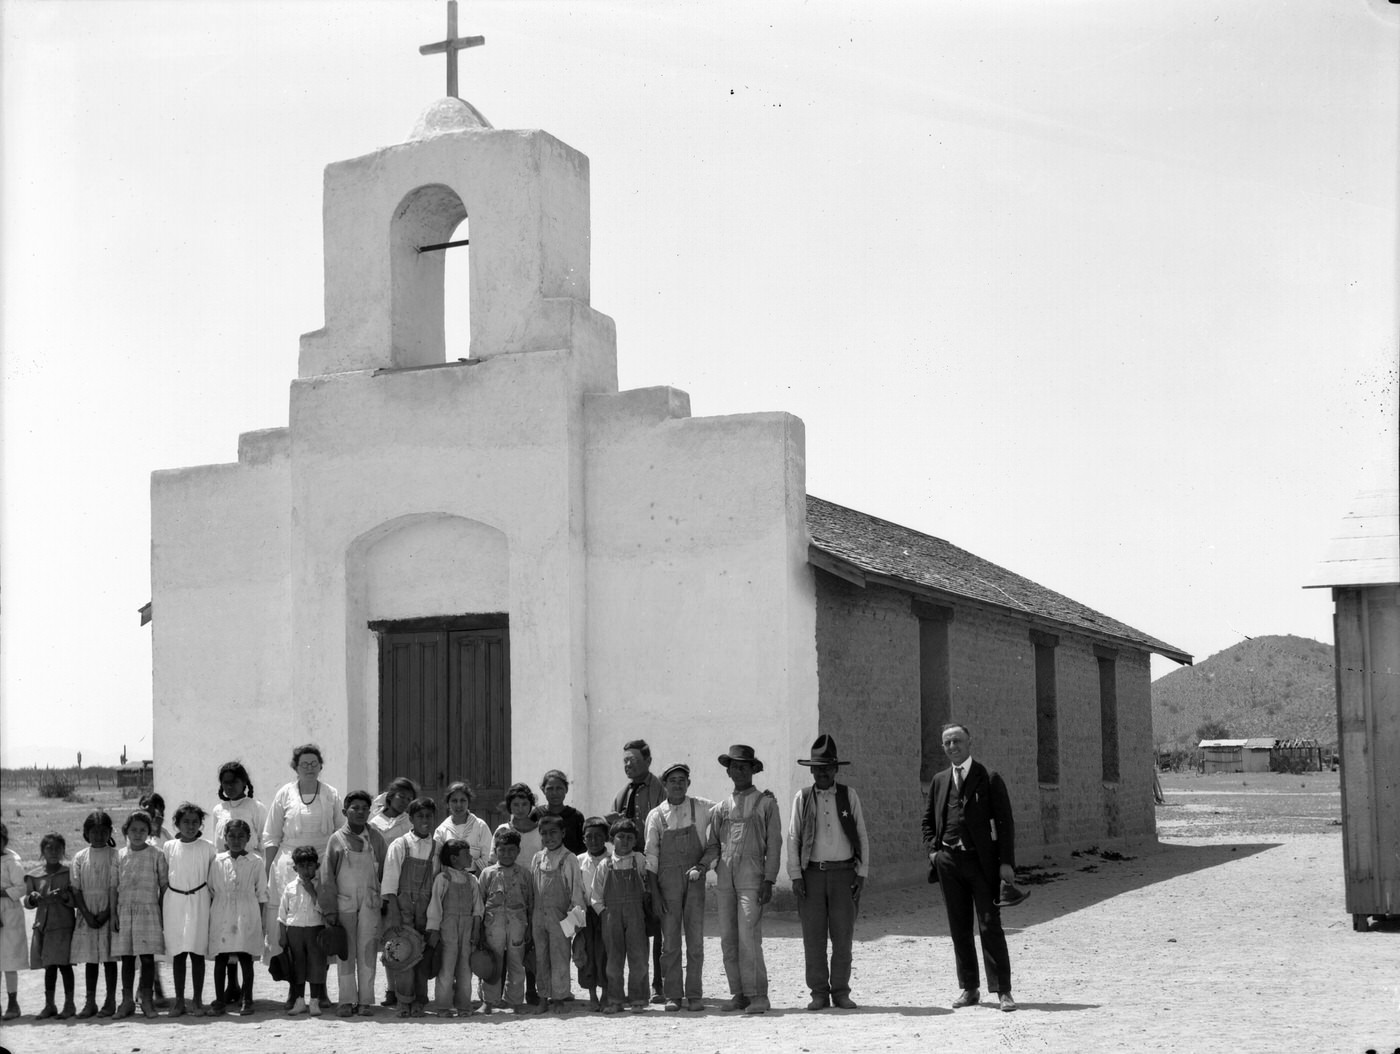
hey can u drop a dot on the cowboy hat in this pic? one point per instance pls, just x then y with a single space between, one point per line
823 752
741 752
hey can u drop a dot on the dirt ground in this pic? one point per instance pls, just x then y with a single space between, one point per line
1231 934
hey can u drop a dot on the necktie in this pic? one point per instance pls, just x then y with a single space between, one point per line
957 780
631 810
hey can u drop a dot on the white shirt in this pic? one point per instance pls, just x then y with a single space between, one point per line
409 846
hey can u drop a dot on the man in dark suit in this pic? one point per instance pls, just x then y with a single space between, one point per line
970 837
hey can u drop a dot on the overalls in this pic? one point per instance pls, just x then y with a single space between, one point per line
740 874
357 904
504 895
625 931
553 898
683 909
415 890
454 980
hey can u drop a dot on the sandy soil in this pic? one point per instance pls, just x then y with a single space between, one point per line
1218 941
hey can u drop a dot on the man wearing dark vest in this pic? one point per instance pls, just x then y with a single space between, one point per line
971 842
828 855
643 793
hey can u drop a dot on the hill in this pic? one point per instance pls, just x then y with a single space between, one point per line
1266 686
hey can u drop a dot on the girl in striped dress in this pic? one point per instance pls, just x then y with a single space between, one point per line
142 875
187 904
94 883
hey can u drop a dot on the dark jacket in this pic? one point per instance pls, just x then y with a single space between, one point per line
986 817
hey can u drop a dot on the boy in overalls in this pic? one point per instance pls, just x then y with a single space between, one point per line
746 831
409 870
351 874
678 855
507 900
623 909
558 890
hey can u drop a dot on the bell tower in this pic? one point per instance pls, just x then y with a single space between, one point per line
388 218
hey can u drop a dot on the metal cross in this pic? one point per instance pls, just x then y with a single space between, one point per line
451 45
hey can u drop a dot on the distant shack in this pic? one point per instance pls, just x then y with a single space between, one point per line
1235 755
134 775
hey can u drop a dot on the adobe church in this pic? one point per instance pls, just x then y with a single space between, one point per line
486 562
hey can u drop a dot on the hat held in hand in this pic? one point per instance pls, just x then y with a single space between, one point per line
1010 896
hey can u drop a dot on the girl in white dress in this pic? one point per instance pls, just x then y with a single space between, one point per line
236 802
14 945
462 823
186 907
239 888
303 812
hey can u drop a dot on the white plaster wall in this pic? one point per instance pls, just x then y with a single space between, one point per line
526 197
220 547
701 621
497 444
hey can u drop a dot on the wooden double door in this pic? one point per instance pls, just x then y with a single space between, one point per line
444 707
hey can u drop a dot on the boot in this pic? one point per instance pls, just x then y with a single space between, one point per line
148 1003
89 1009
12 1007
109 1006
68 1009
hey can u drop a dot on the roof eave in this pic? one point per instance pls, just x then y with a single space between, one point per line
851 572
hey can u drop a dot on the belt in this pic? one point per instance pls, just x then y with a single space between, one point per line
188 892
832 865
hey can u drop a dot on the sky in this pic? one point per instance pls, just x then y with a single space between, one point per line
1102 292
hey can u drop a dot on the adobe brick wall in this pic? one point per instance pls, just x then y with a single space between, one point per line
868 676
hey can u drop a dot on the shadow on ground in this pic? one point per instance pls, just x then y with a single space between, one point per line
1085 880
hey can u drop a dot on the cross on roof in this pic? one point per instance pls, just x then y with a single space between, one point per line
451 46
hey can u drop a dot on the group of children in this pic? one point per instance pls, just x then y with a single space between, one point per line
516 907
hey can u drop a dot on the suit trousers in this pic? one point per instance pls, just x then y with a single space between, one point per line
828 911
967 894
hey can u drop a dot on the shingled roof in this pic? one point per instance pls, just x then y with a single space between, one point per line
861 547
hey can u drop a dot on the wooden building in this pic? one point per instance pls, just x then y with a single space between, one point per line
1362 568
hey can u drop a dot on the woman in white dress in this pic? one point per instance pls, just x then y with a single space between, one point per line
303 812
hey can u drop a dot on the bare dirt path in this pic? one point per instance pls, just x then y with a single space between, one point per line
1227 941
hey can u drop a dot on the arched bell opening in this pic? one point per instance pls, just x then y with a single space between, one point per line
427 306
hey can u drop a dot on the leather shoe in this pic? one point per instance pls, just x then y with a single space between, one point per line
819 1002
1006 1002
758 1005
843 1002
967 997
738 1002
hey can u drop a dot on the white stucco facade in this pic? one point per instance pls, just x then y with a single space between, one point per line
652 565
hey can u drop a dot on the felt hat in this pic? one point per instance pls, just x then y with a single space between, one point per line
823 752
280 967
679 766
741 752
1010 896
334 942
403 947
484 964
